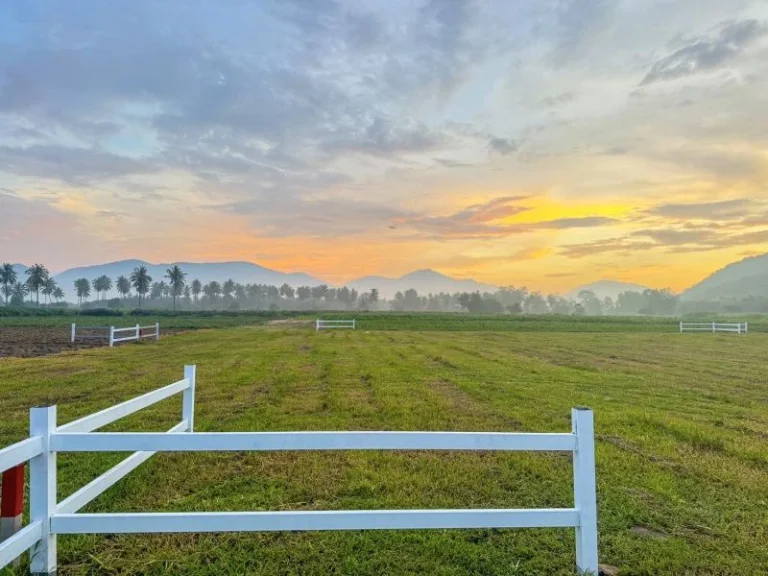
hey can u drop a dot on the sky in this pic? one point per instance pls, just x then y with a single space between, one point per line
546 143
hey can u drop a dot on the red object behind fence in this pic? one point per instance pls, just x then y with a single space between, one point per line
11 501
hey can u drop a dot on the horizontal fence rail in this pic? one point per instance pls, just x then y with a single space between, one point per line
275 441
114 335
737 327
48 518
332 324
303 521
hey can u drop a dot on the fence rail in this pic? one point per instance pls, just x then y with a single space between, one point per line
331 324
48 518
115 335
738 327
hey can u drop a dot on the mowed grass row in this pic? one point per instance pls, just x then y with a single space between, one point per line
682 426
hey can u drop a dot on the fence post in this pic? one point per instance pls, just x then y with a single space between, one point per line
317 325
188 399
138 332
584 489
353 324
111 336
42 490
681 326
72 334
157 330
11 503
713 328
746 327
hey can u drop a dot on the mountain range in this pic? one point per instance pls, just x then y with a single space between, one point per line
423 281
747 277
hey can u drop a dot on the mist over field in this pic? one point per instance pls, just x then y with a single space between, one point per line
739 287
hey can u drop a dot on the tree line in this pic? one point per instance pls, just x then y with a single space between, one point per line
140 289
37 281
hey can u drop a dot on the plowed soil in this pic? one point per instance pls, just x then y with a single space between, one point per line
40 341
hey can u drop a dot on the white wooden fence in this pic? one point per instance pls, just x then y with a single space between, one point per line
48 518
115 335
713 327
330 324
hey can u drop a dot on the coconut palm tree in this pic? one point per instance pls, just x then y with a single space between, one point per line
197 287
227 288
123 286
7 279
176 278
37 274
212 290
48 287
82 289
58 294
106 286
141 280
18 291
102 285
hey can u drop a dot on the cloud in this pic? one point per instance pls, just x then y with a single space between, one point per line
556 100
585 222
288 216
503 146
707 53
705 210
675 237
621 246
29 223
579 21
475 221
70 165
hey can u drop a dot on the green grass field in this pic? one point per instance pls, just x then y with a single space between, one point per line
682 447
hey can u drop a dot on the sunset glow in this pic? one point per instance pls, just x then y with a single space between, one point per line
546 144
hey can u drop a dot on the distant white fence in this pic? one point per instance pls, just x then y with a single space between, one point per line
114 335
48 518
330 324
713 327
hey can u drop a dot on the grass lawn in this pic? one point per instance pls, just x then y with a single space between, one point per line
682 448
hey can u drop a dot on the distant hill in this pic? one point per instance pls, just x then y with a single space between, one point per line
243 272
747 277
606 288
423 281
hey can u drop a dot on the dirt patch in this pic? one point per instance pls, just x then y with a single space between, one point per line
29 341
25 341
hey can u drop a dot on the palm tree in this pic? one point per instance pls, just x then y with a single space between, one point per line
102 285
58 293
123 286
212 290
8 279
83 289
37 274
141 281
176 279
197 287
228 288
48 287
187 293
18 292
106 285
